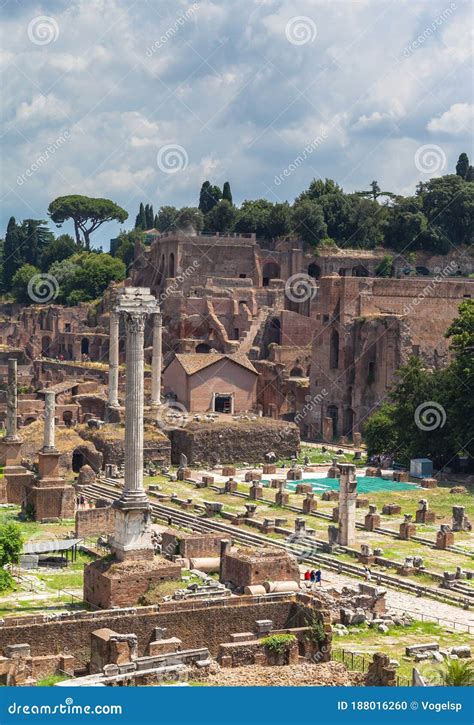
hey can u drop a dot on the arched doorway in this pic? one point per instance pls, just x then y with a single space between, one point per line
67 418
78 460
45 346
171 266
296 372
334 351
271 270
84 346
203 347
274 333
314 271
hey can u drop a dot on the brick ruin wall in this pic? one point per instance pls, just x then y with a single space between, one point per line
208 626
93 522
246 441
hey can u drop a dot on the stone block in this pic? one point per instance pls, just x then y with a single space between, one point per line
229 471
428 483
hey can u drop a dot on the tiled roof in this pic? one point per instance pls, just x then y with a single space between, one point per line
194 362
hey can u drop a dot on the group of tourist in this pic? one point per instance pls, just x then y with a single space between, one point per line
312 577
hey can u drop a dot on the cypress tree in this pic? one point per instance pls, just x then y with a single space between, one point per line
11 253
149 216
226 192
140 222
462 166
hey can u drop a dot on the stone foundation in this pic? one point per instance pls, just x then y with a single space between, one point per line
110 583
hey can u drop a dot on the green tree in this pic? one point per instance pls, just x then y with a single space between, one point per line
308 222
226 192
279 221
149 216
87 214
140 221
125 247
319 188
385 266
86 276
209 196
165 220
20 282
58 249
221 218
253 216
189 219
11 544
374 192
12 253
448 204
462 166
380 434
455 673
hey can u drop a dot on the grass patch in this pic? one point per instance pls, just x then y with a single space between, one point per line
51 680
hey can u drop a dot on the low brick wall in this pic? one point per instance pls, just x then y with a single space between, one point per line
197 625
94 522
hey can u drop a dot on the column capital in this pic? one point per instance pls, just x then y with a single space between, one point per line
135 321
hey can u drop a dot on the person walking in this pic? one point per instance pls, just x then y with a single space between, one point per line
318 577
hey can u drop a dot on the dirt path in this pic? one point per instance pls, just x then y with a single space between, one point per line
408 602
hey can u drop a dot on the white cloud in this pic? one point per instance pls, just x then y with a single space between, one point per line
42 108
459 119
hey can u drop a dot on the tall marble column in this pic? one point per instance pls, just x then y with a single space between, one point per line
12 402
132 536
113 359
156 361
49 422
347 504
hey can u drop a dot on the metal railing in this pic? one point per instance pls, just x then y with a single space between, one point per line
356 662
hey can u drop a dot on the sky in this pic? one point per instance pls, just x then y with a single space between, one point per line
143 100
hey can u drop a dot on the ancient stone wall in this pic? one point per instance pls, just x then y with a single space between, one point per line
94 522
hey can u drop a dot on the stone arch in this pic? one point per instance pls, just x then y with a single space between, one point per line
28 421
334 350
271 270
68 418
203 347
296 372
314 270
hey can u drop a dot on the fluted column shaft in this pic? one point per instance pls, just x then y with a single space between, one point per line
156 360
133 483
49 422
12 401
113 359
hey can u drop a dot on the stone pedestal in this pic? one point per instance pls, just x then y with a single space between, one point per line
252 476
269 469
335 514
407 528
425 517
49 495
256 492
282 498
391 509
401 476
183 474
294 474
372 519
444 537
303 488
309 503
229 471
230 486
429 483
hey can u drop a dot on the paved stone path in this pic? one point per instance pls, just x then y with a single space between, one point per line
430 608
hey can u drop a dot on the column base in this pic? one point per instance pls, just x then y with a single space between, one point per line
132 536
113 413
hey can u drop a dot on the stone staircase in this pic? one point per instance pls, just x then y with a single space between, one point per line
248 339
